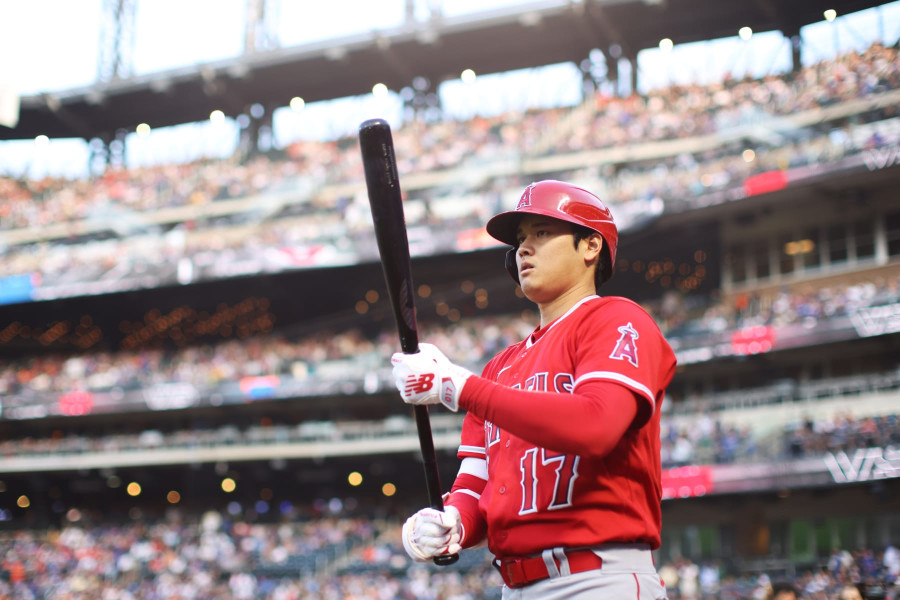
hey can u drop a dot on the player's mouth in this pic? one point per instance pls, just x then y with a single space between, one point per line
525 268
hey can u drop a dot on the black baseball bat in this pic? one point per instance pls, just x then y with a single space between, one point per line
383 184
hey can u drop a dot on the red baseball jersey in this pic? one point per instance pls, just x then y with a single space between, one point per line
536 497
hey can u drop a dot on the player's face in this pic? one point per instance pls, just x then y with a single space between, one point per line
549 263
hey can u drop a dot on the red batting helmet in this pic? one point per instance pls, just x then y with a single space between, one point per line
562 201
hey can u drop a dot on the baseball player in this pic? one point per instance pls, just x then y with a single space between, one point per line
560 449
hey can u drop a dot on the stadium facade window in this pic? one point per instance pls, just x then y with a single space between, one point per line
802 540
737 261
864 239
847 532
892 232
779 541
761 260
892 527
810 254
837 243
709 541
825 541
690 540
786 256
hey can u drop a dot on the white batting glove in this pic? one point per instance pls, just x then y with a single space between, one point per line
430 533
428 377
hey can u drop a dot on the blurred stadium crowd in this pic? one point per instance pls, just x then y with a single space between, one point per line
473 342
787 116
694 436
214 555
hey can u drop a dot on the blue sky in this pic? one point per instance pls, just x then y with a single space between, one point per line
57 45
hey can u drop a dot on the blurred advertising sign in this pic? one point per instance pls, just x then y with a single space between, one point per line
473 239
17 288
76 403
260 387
171 396
753 340
687 482
866 464
301 256
876 320
763 183
881 158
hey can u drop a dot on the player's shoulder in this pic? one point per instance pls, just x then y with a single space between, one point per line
615 309
618 305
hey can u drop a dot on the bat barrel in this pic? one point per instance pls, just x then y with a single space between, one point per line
386 201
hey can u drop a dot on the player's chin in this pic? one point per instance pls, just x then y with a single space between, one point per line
531 289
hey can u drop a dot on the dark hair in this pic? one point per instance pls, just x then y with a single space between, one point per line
604 264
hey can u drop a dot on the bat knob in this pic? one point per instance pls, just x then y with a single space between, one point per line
446 559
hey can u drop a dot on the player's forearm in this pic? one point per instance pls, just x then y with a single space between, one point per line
464 495
590 423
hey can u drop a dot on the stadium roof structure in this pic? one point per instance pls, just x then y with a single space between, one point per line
526 35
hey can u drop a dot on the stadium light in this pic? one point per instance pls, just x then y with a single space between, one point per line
666 45
297 103
804 246
830 15
379 90
217 116
749 155
355 478
745 33
42 141
143 130
468 76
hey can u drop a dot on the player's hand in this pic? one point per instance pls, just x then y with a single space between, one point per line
428 377
430 533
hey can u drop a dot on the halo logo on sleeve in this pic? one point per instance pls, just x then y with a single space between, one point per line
626 347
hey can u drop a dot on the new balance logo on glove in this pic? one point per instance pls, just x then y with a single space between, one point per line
417 385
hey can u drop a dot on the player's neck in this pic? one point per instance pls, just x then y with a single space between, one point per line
552 310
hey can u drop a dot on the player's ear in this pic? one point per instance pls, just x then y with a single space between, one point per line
594 244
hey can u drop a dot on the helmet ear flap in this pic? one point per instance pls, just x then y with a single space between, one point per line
511 267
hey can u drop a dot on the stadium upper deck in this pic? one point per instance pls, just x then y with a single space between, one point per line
520 36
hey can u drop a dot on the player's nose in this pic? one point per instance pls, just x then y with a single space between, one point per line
525 248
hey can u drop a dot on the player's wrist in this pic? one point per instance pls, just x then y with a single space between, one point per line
453 381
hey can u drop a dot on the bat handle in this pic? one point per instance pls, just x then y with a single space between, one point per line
432 482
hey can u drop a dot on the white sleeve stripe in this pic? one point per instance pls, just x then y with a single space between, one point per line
474 449
474 466
475 495
623 379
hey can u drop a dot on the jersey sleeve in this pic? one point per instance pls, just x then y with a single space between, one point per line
465 496
622 344
472 477
472 438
